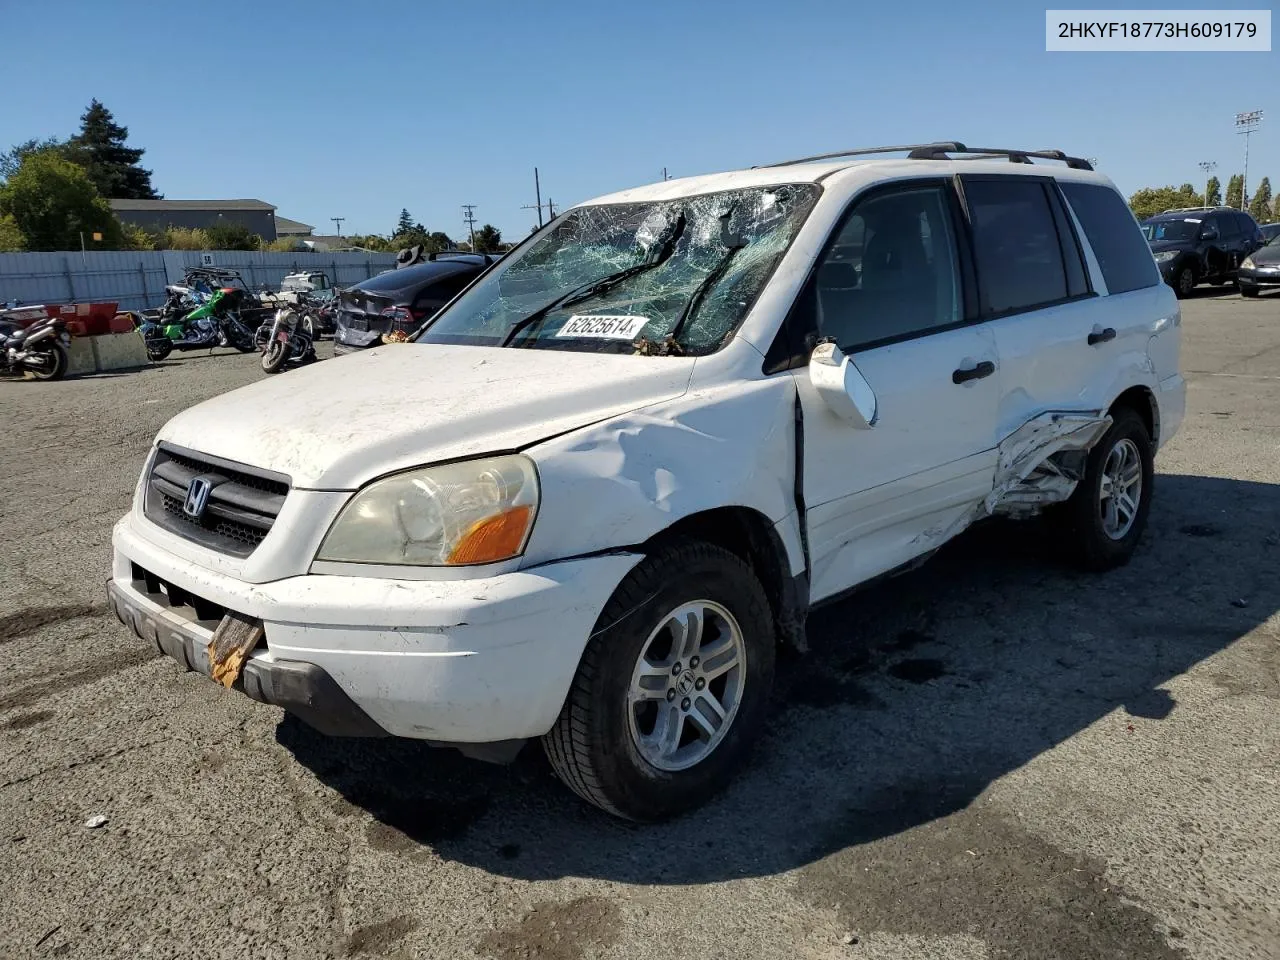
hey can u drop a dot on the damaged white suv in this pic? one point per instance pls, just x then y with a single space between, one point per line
591 497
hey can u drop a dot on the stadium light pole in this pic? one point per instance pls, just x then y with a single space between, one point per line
1207 167
1246 123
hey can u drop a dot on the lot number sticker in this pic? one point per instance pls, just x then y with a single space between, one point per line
599 326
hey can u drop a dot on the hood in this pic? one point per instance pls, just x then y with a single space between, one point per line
1270 254
1159 246
337 424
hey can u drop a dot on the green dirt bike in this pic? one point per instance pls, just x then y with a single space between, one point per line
215 323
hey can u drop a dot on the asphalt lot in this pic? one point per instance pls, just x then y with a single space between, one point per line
991 757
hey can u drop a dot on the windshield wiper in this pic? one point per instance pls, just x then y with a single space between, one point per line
733 243
595 287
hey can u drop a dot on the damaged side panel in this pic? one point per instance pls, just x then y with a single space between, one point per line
621 482
1042 461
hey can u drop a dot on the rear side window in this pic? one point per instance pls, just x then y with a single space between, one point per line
1228 226
1248 226
1019 257
1122 252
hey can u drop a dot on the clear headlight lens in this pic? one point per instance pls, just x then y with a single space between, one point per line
1247 263
477 511
1165 255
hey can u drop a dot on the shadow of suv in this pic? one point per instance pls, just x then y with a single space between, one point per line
1200 244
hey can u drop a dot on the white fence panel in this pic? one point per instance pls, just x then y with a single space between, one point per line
136 279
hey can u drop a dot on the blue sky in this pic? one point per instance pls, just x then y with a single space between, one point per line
356 110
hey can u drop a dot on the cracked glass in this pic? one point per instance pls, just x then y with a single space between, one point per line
693 268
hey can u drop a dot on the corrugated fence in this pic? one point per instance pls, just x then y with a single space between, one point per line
136 280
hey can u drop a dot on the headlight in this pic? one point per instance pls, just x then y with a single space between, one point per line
1247 263
477 511
1166 255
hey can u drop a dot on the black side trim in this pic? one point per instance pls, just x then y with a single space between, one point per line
309 694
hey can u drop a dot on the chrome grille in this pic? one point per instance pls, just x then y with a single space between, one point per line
242 505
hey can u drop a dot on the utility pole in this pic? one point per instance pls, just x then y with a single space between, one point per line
1246 123
1207 167
537 191
469 218
664 174
551 210
337 223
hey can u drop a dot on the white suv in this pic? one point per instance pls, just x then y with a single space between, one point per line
593 495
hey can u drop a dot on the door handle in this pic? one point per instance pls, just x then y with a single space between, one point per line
984 369
1102 336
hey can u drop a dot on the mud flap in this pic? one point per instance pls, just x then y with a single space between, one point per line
236 635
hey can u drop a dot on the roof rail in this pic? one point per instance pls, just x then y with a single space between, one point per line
940 151
1195 209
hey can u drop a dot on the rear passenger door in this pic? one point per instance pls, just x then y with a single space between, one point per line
1065 341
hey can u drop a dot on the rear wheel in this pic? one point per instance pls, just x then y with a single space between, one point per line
1104 518
1248 291
159 349
672 688
55 361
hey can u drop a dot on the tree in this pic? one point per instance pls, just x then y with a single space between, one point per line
232 236
488 239
1260 205
1149 201
113 167
53 202
12 159
11 238
405 223
1213 193
1235 188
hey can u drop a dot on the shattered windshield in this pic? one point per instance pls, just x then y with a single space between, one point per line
669 276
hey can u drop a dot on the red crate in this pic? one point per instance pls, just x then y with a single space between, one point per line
83 319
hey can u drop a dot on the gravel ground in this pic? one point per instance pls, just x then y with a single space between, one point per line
990 757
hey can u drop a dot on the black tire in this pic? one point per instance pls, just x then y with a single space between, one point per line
1080 520
61 361
591 747
1248 291
1184 282
158 350
274 357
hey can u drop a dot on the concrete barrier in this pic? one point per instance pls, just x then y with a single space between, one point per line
118 351
81 356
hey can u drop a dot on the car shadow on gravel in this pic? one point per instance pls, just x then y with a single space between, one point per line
918 693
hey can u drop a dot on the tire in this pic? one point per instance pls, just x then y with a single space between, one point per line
1184 282
61 361
1082 520
158 350
594 746
1248 291
274 357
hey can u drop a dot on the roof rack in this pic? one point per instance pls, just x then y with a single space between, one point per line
940 151
1194 209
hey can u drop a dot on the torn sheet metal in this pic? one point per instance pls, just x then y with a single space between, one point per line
1036 466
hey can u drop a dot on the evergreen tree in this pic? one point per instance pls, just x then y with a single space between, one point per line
1260 205
1235 187
1213 192
112 167
404 224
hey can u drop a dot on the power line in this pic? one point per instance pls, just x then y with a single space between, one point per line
469 218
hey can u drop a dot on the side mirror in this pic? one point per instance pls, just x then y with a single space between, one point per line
1209 233
842 386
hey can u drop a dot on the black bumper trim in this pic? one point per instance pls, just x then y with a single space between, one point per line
303 689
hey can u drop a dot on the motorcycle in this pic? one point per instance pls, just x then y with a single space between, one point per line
40 349
215 323
289 337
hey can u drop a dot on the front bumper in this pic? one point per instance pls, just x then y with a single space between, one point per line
1258 277
451 661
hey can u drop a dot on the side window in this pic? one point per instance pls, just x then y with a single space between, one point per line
891 272
1117 242
1248 226
437 294
1016 248
1228 226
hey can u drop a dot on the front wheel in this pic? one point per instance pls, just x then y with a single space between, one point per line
1104 518
159 349
273 358
54 365
672 689
1248 291
1184 282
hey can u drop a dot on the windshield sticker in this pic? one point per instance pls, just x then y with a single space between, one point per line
599 326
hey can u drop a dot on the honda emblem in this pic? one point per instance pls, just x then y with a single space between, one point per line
197 497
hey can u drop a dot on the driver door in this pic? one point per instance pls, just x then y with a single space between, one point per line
889 291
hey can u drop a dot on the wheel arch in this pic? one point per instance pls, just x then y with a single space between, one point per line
1142 400
748 534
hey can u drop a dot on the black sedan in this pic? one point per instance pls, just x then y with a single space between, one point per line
398 301
1260 269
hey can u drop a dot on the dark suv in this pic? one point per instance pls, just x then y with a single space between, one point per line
1201 244
396 302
